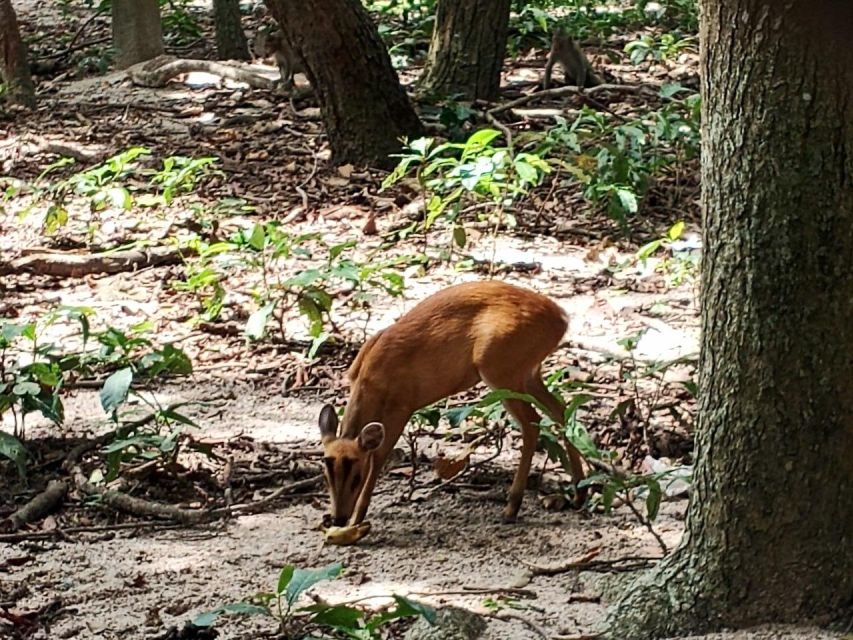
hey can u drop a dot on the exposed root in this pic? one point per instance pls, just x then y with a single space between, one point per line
75 265
157 72
37 508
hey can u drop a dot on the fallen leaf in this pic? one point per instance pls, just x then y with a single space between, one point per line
447 468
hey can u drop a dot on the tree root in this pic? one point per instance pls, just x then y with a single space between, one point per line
139 506
37 508
156 73
75 265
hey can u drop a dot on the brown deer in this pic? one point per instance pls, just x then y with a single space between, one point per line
489 331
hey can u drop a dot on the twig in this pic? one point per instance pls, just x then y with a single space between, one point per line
645 521
79 32
588 563
524 593
502 127
46 535
570 90
252 507
509 615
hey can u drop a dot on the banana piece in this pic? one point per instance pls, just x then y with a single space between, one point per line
346 535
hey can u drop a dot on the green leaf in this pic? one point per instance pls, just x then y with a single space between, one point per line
284 578
120 197
527 173
457 415
257 322
676 230
208 618
339 616
304 579
669 90
478 140
257 237
459 236
10 331
627 199
12 448
115 389
648 249
405 608
653 499
26 388
607 496
55 218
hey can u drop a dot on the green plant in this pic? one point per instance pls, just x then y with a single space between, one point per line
159 434
181 173
665 46
108 184
678 265
615 162
310 292
31 370
305 622
451 175
179 24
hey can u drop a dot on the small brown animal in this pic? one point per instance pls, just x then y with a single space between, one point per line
490 331
270 43
576 68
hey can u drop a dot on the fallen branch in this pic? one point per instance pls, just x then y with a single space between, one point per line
75 265
37 508
569 90
588 563
157 72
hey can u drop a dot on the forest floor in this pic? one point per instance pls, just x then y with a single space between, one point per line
90 571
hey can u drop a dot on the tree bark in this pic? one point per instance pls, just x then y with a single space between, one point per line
466 53
231 43
770 528
365 110
137 33
14 70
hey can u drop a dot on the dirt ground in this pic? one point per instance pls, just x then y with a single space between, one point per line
131 578
133 584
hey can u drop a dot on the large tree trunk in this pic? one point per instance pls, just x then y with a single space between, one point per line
14 70
137 33
466 53
364 108
231 41
770 528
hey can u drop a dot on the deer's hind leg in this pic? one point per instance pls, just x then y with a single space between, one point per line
536 387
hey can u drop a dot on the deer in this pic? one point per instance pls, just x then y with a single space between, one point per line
488 331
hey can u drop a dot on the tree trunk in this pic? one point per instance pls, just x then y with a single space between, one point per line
14 70
137 34
770 528
466 53
231 41
365 110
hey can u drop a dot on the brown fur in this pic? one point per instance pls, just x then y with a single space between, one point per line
271 43
576 68
489 331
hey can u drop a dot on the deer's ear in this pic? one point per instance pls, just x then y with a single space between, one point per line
328 424
371 436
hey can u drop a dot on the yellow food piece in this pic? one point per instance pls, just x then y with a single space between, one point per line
347 535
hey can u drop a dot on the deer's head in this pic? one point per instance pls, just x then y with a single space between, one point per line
347 461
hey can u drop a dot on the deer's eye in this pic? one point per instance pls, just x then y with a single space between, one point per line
330 466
